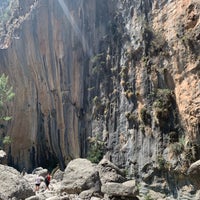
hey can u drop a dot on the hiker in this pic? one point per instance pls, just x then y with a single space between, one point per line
47 180
37 183
23 172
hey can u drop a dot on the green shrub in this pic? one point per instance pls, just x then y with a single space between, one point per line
6 140
124 72
177 148
96 152
162 104
162 163
129 94
130 116
6 95
145 116
148 197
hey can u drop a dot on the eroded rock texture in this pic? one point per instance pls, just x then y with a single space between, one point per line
48 66
125 73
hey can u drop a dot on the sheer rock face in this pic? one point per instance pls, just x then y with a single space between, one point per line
48 66
97 71
179 24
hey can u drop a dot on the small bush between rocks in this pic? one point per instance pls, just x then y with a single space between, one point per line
96 152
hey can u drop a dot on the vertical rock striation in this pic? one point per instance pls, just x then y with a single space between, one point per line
48 67
122 76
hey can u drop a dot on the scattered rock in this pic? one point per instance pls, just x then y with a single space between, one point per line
33 198
2 154
109 172
40 171
2 157
58 175
194 173
80 180
12 184
80 175
117 189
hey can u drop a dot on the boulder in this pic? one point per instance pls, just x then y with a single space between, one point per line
58 175
33 198
86 194
2 154
13 185
109 172
120 190
40 171
80 175
194 174
2 157
55 198
95 198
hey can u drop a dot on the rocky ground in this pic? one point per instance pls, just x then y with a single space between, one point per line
84 180
80 180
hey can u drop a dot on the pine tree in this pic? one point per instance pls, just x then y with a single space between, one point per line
6 95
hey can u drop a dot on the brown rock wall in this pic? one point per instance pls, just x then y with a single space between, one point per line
46 65
179 23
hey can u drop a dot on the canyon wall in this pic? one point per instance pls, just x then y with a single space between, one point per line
46 54
121 76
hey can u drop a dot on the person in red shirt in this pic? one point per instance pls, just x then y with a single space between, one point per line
47 180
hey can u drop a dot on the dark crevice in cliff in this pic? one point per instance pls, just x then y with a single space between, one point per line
44 156
53 156
146 7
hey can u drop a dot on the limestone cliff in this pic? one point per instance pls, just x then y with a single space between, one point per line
48 66
123 74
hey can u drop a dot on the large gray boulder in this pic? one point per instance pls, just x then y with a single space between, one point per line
80 175
58 175
126 189
40 171
194 174
109 172
114 183
2 154
2 157
13 185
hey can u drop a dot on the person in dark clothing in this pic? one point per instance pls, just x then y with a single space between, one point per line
47 180
23 172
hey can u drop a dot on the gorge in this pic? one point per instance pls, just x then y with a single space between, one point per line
119 78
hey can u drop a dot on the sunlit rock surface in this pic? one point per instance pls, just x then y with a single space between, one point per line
48 67
125 73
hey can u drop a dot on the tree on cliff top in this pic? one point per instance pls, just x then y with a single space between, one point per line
6 94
